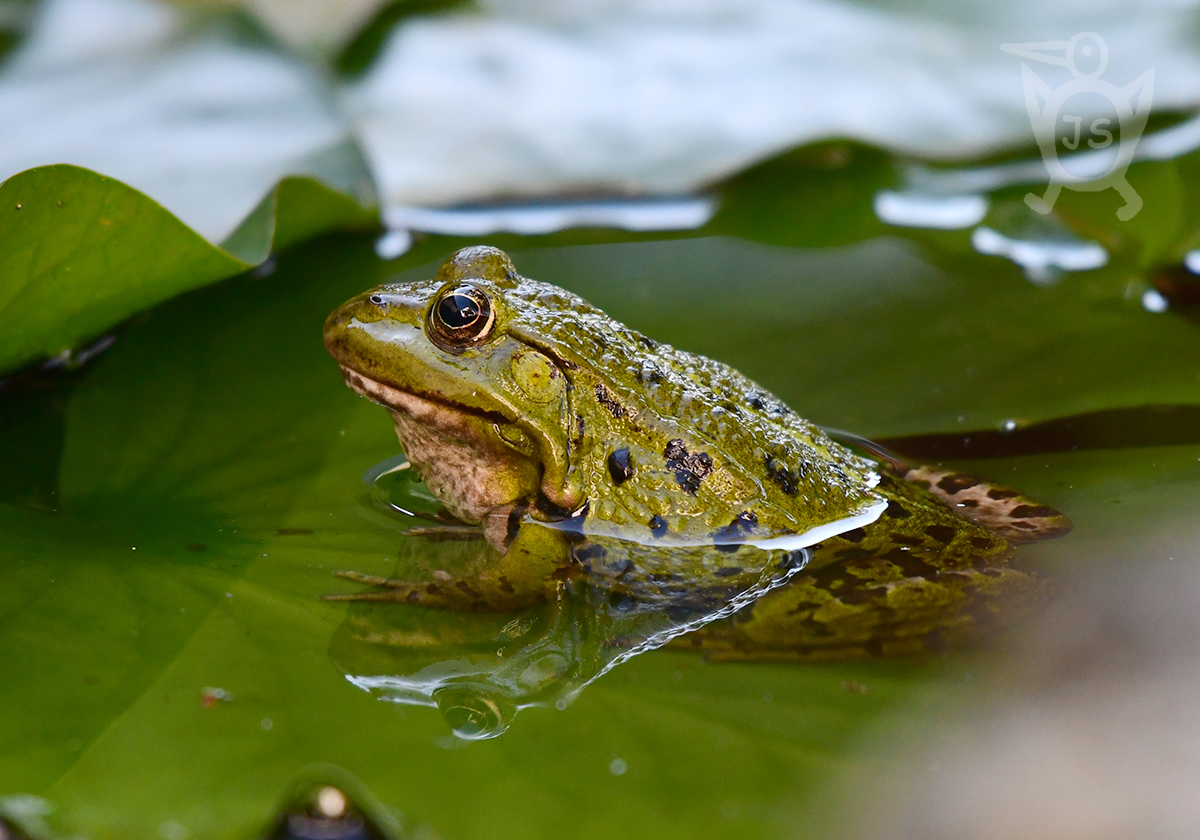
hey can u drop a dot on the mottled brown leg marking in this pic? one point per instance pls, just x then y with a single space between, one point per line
955 483
1007 512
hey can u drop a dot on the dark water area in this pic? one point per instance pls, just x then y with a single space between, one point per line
1118 428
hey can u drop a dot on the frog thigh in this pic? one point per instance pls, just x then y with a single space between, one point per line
1004 511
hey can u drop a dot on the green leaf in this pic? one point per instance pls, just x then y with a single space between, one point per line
80 253
295 210
815 195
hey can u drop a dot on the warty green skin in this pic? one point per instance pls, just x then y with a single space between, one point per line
566 416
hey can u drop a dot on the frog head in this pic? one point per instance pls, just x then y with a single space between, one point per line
480 411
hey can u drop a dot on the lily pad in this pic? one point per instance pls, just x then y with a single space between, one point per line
81 252
74 259
168 659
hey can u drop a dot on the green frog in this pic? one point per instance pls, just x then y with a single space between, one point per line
519 404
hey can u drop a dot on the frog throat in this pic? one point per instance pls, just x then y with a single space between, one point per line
469 469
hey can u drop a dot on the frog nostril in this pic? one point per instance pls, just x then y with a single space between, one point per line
376 299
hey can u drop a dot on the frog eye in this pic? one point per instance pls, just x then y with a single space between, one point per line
462 316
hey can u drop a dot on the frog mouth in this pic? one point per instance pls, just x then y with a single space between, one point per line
424 408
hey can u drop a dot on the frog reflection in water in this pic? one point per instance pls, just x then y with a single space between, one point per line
518 402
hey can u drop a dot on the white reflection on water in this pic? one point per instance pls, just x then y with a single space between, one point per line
945 212
1191 261
394 243
1154 301
533 219
1043 260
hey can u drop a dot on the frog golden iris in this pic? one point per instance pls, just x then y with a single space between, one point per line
516 400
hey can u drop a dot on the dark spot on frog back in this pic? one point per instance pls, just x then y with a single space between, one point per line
691 468
772 407
657 525
619 467
786 478
606 399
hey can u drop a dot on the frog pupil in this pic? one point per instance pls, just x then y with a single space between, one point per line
458 311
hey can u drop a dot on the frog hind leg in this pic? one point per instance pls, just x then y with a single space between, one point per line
865 599
1002 510
921 578
806 622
